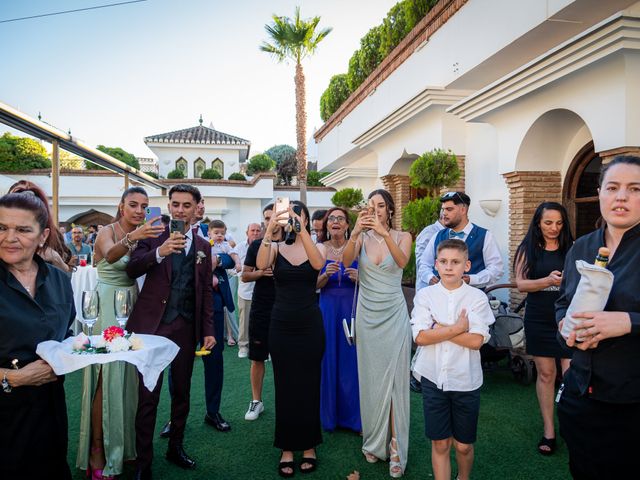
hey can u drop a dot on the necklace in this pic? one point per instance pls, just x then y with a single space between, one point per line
337 252
373 235
26 278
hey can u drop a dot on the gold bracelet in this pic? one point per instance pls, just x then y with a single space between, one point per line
266 243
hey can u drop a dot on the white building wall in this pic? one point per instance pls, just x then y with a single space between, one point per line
168 154
237 206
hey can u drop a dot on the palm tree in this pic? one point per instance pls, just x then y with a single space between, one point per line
295 39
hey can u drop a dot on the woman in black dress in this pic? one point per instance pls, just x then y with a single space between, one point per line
538 265
36 305
296 337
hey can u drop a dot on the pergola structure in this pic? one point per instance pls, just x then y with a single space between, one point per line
58 139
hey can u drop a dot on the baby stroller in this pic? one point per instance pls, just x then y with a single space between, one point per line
507 338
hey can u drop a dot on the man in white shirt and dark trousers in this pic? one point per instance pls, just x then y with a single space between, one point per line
245 292
450 322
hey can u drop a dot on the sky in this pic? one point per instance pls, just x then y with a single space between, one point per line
116 75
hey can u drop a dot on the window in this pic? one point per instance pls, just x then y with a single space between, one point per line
218 165
198 167
181 164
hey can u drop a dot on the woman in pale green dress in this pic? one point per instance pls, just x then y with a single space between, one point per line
382 332
110 392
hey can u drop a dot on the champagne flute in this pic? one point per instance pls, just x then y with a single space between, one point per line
122 305
90 309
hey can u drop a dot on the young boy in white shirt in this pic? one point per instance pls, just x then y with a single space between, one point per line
450 322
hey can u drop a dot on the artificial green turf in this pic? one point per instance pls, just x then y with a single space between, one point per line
508 432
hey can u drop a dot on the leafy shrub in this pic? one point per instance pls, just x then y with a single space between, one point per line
211 174
314 178
366 58
434 170
237 176
409 271
117 153
419 213
377 43
20 154
334 96
260 163
175 174
347 198
152 174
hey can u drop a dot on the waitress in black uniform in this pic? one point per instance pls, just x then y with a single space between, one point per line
36 304
538 265
296 338
599 407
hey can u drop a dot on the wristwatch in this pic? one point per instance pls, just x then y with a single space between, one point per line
5 383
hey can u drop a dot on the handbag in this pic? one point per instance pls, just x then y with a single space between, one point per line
349 327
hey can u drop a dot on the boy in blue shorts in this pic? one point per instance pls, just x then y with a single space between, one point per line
450 322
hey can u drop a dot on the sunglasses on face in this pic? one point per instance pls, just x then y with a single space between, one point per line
338 219
452 195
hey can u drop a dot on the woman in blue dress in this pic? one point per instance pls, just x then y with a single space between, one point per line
339 398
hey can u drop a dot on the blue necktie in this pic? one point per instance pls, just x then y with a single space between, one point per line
453 234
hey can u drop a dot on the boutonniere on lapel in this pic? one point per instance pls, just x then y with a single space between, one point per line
200 255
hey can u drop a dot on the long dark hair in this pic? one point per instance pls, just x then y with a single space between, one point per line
306 213
325 222
125 194
528 252
388 200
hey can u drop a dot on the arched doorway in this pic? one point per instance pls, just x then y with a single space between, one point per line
580 190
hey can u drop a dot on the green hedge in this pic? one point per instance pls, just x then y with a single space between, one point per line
175 174
334 96
377 43
237 176
260 163
211 174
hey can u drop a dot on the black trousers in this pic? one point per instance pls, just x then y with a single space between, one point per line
601 437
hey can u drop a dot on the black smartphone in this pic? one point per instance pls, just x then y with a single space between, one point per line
176 226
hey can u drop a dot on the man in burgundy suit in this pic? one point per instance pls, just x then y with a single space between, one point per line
175 302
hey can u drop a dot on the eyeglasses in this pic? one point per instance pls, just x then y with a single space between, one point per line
450 195
338 219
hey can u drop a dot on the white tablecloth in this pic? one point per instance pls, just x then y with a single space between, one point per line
84 278
156 354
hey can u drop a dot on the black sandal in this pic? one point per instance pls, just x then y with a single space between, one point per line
309 461
550 443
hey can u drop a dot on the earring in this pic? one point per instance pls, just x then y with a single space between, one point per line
41 245
328 235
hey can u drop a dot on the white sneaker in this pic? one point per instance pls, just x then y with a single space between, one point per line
243 352
256 407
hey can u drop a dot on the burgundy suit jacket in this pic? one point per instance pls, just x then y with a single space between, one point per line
152 300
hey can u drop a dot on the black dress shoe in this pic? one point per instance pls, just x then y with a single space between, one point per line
179 457
143 474
166 430
217 422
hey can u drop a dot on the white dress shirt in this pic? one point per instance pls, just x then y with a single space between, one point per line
450 366
493 264
187 247
245 289
422 240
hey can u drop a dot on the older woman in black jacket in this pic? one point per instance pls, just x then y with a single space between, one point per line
36 305
599 407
